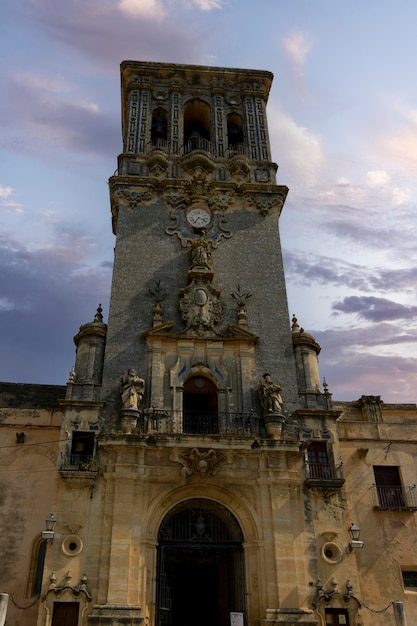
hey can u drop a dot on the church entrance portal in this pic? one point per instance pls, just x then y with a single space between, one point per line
200 577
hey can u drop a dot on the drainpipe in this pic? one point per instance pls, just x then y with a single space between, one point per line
4 599
399 614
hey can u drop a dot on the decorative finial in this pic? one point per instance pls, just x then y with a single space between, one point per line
157 292
325 386
240 296
295 327
98 318
158 295
72 375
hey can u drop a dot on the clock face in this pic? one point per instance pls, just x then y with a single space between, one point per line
198 217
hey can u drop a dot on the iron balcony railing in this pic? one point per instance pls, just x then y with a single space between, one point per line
325 476
78 462
196 143
212 423
396 497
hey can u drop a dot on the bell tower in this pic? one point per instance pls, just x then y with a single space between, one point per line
198 286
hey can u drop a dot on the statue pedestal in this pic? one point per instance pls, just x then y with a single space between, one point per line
273 424
128 420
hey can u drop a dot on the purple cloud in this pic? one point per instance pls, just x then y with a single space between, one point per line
375 309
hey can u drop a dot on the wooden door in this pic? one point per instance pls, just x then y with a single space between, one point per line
337 617
65 614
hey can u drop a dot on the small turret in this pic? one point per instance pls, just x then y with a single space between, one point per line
90 341
306 352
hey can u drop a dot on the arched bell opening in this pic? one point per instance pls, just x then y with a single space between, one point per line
196 125
200 406
159 127
234 132
200 566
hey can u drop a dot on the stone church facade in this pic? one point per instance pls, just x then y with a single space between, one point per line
198 471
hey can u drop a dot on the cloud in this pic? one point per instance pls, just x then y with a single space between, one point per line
46 294
400 196
154 30
7 203
298 147
354 361
5 192
155 9
375 309
305 268
378 178
207 5
142 8
297 46
400 145
56 116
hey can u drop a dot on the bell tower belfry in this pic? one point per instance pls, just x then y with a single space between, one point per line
198 286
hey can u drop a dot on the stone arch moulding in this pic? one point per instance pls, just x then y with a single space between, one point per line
37 449
237 505
66 593
216 372
246 518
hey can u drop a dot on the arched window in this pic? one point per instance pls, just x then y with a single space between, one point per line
200 406
159 128
234 131
196 125
36 567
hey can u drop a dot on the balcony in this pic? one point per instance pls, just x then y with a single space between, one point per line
211 423
324 476
78 463
196 143
397 498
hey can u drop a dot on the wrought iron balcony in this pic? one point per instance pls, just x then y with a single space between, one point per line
196 143
211 423
326 476
396 497
78 463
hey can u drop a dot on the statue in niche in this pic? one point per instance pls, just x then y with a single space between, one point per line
132 388
270 395
200 254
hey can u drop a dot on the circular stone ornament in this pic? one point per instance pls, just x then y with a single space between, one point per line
72 545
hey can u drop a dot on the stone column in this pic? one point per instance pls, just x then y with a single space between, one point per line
4 599
399 614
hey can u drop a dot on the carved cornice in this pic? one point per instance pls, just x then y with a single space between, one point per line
265 203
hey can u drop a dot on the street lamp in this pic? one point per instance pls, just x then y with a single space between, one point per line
355 532
50 525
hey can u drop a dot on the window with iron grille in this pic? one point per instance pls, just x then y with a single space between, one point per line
389 487
410 579
319 465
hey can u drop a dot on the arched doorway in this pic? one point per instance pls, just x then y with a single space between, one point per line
200 406
200 570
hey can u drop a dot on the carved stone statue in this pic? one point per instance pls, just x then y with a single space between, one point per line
132 388
270 395
200 254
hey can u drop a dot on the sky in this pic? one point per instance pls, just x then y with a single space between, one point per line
342 118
